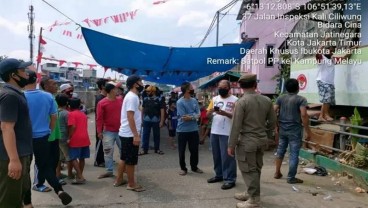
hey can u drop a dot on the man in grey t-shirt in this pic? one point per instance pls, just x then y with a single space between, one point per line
15 136
293 116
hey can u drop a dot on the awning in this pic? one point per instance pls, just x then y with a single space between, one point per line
230 75
167 65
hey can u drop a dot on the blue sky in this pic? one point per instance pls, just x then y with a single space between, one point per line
180 23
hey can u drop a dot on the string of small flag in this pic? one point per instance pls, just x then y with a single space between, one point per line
75 63
116 18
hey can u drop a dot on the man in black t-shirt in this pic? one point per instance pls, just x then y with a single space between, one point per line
16 135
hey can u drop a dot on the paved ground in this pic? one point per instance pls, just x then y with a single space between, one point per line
166 189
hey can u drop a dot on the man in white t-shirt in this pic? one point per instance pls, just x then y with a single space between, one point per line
129 133
221 108
326 77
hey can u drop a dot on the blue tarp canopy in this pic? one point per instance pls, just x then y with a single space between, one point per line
231 76
166 65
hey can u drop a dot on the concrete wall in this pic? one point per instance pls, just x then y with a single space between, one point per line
264 29
88 97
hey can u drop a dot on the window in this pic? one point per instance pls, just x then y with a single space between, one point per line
269 56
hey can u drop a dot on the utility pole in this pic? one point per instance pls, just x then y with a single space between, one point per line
217 27
30 29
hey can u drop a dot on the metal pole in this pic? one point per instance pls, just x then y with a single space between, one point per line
342 128
31 18
217 27
39 50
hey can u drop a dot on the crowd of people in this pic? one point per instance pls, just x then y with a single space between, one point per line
50 127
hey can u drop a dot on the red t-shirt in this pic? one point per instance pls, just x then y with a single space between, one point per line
80 136
108 115
204 119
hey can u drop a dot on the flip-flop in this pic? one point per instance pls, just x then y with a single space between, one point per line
137 188
42 188
328 118
320 119
105 175
123 182
65 198
79 181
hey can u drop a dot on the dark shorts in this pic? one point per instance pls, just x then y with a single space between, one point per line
78 153
326 92
129 152
172 133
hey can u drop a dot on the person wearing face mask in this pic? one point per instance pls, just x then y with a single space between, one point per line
67 89
129 133
15 135
153 109
221 110
187 129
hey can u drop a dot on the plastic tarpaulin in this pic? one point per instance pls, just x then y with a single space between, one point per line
167 65
230 76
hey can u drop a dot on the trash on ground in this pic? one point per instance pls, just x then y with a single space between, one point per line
360 190
321 171
328 197
309 171
295 189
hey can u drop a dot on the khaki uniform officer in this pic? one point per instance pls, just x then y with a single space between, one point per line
253 115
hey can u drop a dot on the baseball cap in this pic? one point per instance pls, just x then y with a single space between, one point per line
11 64
64 87
132 79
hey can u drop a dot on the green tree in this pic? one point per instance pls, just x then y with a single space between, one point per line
3 57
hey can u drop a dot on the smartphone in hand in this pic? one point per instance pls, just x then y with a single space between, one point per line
216 108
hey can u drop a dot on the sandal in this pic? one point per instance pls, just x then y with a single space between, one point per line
79 181
123 182
159 152
328 118
42 188
65 197
142 153
106 175
277 176
294 180
321 119
137 188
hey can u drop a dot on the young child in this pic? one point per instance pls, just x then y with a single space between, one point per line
172 121
78 139
62 102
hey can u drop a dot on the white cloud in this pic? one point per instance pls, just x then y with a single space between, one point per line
194 19
18 28
19 54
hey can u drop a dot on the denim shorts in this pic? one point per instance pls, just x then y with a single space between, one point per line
78 153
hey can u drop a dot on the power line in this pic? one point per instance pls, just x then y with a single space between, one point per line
61 12
211 27
68 47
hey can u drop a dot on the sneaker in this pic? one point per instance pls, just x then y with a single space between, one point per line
183 172
197 170
241 196
294 180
